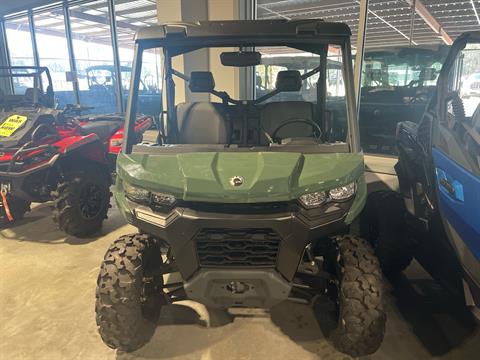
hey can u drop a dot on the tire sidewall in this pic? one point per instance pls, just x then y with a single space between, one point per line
121 318
361 315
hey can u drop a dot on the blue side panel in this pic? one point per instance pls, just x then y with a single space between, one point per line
459 193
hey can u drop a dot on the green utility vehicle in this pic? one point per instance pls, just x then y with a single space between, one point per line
250 200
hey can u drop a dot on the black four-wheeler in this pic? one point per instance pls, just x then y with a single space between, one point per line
435 218
48 154
250 200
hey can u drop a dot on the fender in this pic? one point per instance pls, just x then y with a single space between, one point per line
88 147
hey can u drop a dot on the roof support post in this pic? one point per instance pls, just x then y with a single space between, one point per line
116 57
361 36
430 20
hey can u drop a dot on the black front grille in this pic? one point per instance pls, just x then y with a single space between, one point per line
240 247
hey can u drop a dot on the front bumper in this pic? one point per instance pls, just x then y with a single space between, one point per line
296 227
184 226
17 181
259 288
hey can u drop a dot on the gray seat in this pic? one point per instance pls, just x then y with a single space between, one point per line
202 123
275 114
30 94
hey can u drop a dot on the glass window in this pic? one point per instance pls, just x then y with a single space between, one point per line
19 41
53 53
94 55
397 84
130 17
468 84
457 133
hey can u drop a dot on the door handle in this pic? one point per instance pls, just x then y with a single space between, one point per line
447 185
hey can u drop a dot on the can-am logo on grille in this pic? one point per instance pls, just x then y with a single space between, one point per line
237 180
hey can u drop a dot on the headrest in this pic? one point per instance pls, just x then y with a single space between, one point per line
30 94
427 74
289 80
201 81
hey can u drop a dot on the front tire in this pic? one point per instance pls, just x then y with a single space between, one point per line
129 292
82 200
359 297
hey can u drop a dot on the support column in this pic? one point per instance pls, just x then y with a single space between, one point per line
116 57
247 11
171 11
361 35
5 84
33 35
198 60
226 78
71 54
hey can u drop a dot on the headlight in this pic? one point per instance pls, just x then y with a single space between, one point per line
136 194
143 196
313 199
116 142
342 192
161 199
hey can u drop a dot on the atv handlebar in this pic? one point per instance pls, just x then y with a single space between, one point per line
76 109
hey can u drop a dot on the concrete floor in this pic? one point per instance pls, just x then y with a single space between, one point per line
47 287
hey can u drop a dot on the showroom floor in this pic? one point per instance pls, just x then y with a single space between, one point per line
47 287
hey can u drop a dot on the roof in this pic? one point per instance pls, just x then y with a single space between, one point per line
254 29
388 20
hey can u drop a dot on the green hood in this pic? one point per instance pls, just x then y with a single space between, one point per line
268 176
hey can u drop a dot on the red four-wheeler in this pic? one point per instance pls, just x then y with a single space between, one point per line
55 155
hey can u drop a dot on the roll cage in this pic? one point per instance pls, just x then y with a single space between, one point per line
11 72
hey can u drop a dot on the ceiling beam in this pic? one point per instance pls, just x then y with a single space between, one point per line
430 20
136 10
475 11
389 24
100 19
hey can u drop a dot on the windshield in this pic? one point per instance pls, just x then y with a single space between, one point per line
403 67
265 96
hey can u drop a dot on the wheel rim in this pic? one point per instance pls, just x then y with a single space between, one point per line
90 201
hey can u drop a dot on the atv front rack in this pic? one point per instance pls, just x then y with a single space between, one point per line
22 150
25 149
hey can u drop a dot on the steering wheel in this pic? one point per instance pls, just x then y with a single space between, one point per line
316 130
419 98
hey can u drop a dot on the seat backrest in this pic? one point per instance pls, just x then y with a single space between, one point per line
202 123
275 114
30 94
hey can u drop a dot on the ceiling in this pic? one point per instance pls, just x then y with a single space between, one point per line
90 21
389 21
8 7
